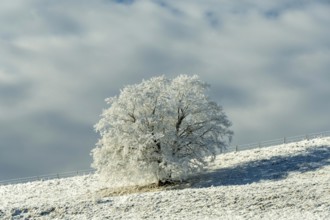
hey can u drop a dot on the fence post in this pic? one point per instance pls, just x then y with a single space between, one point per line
284 140
236 148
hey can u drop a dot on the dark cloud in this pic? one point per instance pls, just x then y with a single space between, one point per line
267 63
231 96
12 95
159 62
44 142
55 22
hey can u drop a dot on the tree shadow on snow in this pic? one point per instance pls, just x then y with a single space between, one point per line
275 168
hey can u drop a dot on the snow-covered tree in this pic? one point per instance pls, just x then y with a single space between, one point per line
160 130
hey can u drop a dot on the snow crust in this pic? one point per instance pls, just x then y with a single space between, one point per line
290 181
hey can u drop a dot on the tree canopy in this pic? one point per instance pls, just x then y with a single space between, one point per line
160 130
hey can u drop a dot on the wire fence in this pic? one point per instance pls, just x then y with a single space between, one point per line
262 144
284 140
47 177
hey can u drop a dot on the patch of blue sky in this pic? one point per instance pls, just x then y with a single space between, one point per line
213 19
167 6
272 13
124 1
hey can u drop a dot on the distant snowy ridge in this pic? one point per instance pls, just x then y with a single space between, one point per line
288 181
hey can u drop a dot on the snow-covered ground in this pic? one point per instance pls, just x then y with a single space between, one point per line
290 181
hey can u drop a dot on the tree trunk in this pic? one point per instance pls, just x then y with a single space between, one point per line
164 183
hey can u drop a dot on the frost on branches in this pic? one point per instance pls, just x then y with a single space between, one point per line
160 130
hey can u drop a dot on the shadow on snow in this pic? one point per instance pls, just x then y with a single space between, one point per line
275 168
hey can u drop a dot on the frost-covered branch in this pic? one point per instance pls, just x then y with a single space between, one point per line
160 128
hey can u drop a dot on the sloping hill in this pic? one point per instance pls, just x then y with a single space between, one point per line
290 181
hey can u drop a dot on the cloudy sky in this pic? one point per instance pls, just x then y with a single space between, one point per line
267 62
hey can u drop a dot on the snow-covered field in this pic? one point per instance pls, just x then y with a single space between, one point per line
289 181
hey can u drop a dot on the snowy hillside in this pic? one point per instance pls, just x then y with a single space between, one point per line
289 181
